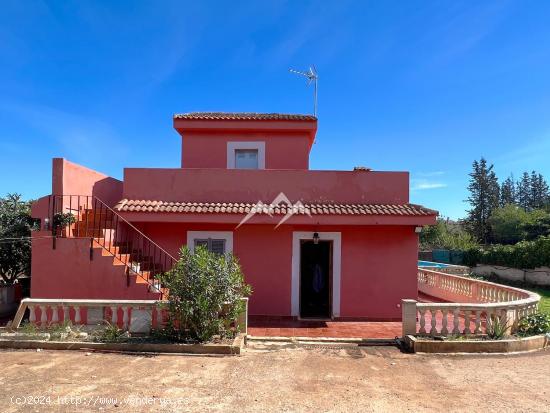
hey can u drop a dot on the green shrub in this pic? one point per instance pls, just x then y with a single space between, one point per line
204 298
524 254
497 327
534 324
508 224
445 234
111 333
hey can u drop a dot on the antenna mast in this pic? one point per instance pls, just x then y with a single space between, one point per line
311 76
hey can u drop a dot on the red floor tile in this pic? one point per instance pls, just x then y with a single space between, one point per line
271 327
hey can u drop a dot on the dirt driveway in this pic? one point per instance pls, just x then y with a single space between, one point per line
282 379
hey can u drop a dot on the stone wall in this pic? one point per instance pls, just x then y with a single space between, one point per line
538 276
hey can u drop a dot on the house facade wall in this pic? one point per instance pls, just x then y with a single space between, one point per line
282 151
204 143
67 271
373 281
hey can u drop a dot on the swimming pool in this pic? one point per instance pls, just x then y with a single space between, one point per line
429 264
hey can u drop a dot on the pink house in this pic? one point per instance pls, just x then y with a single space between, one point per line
313 244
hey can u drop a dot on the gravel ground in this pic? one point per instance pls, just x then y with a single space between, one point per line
274 378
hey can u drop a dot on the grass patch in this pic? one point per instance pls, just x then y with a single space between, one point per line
544 305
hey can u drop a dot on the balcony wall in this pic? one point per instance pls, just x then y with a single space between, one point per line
222 185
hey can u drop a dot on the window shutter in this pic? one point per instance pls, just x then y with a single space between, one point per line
217 246
201 243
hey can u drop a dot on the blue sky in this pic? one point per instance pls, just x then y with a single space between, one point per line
420 86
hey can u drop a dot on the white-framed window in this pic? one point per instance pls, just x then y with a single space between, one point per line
246 155
220 242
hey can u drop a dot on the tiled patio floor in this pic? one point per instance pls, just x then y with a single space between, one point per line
269 327
273 327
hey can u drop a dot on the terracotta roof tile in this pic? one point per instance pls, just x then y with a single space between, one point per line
133 205
242 116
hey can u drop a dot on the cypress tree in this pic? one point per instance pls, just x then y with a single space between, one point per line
484 199
539 191
508 192
523 192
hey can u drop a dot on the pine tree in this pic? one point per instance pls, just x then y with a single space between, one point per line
508 192
484 199
539 191
523 192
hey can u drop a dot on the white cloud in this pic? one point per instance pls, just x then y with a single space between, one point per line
424 184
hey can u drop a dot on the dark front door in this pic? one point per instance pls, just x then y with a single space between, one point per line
315 279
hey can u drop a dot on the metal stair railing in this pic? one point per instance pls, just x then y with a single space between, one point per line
87 216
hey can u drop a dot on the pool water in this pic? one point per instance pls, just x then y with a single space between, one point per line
429 264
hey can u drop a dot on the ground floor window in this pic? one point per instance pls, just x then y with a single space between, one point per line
220 242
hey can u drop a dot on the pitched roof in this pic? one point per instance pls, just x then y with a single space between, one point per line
133 205
242 116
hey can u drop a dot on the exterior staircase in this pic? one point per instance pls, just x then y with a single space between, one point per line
110 235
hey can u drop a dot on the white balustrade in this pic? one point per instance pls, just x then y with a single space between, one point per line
130 310
466 306
77 318
55 314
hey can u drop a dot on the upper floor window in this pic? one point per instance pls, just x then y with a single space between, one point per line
246 155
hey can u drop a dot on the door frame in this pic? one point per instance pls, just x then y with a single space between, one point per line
336 238
331 247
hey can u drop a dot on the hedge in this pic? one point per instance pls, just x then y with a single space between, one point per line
524 254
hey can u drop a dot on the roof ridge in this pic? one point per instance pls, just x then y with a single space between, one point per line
243 116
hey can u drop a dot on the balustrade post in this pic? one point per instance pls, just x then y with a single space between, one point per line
467 322
66 315
77 318
43 315
55 314
433 321
456 313
445 314
125 317
422 319
114 315
32 314
408 322
477 321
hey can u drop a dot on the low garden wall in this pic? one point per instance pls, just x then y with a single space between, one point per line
466 305
537 276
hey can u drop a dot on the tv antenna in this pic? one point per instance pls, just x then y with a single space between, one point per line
311 76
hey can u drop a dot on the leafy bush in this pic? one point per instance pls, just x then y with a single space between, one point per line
63 219
538 224
445 234
15 223
524 254
508 224
534 324
204 299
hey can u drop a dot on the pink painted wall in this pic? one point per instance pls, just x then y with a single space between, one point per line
217 185
373 280
68 272
282 151
69 178
379 266
204 142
